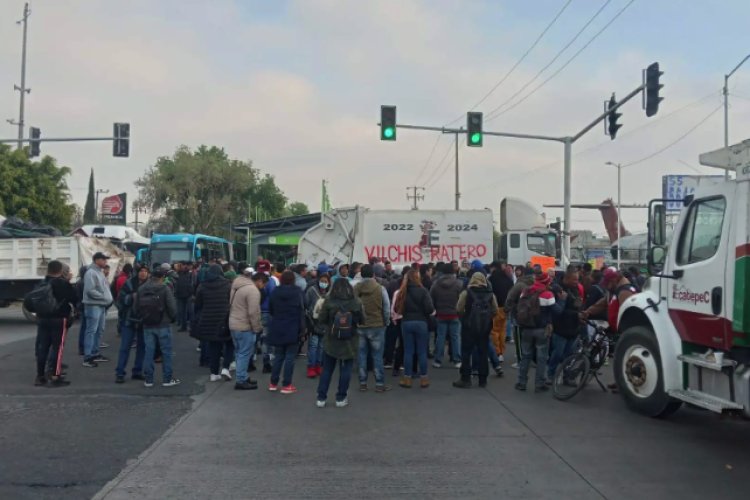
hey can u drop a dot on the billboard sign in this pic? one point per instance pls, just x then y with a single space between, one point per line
114 209
677 187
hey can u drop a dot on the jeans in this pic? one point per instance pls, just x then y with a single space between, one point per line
494 359
345 376
128 333
48 342
183 306
371 340
453 328
244 344
416 337
314 351
268 351
392 333
214 349
162 335
95 316
476 347
283 355
561 348
533 340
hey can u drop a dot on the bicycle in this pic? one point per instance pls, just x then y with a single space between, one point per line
577 370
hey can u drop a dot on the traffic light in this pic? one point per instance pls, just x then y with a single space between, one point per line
613 117
34 135
387 123
652 89
121 143
474 129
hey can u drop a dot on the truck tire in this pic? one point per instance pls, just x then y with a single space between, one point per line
638 373
28 314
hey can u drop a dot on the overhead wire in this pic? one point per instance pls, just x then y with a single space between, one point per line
519 61
440 164
429 158
497 113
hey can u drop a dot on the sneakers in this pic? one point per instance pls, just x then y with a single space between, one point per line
233 366
119 379
387 366
245 386
138 376
171 383
311 372
424 382
362 387
383 388
273 387
225 374
101 359
214 378
437 364
500 358
499 370
341 404
457 366
289 389
148 384
103 345
320 404
462 384
88 363
519 387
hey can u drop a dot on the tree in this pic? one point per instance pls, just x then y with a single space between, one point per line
34 191
297 208
89 212
204 191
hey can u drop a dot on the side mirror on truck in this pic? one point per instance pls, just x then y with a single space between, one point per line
656 257
659 225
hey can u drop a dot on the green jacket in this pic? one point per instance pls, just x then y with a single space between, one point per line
340 349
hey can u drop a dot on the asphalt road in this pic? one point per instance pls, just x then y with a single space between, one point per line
118 442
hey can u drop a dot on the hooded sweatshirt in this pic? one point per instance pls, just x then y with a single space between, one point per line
96 290
445 293
478 286
244 309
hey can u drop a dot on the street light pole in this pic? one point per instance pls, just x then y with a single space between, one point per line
619 207
725 91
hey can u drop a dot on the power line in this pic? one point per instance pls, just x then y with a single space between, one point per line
440 164
429 158
552 61
559 70
520 60
445 168
660 151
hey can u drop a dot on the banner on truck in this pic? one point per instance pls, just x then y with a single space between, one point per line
405 237
114 209
546 263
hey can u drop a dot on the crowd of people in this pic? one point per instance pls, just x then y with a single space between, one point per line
262 317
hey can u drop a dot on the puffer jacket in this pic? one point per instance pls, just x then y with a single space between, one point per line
244 311
212 309
444 294
287 315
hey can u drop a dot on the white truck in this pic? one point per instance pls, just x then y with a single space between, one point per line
686 337
23 261
524 234
401 237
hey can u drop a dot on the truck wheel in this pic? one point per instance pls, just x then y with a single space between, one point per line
29 315
638 373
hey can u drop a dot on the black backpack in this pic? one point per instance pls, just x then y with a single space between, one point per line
151 305
41 300
343 325
479 319
528 310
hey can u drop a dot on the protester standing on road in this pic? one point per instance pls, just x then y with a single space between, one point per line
132 328
265 267
445 293
183 290
566 320
244 324
339 346
377 312
97 297
415 304
315 294
287 325
212 308
501 284
534 316
156 307
51 324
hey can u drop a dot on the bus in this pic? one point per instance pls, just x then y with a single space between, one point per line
172 248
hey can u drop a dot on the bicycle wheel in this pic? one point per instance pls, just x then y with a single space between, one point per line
571 376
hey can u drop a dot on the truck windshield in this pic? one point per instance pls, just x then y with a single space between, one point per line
171 252
543 244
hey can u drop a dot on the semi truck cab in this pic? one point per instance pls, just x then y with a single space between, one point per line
686 337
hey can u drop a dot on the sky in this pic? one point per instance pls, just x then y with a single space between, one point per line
296 87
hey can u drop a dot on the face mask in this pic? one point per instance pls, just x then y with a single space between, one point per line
323 285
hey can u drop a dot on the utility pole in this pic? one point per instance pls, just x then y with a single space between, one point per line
98 212
458 192
725 91
416 197
22 89
618 166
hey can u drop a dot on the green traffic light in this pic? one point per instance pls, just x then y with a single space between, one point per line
476 137
388 132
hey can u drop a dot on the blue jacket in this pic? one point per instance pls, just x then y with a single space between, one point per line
267 292
287 308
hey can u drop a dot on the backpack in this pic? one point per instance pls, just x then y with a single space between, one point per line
343 325
151 306
41 300
479 319
528 310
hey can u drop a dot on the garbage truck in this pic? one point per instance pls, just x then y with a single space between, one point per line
686 337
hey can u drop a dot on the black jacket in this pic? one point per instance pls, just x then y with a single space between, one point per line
183 285
417 304
126 300
65 295
501 284
212 310
287 308
565 314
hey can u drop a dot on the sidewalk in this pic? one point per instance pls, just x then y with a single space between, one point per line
434 443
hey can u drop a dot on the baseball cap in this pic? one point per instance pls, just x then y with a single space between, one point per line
100 255
610 274
159 272
166 267
249 271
